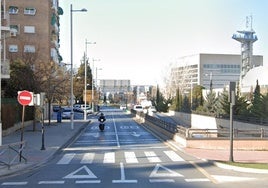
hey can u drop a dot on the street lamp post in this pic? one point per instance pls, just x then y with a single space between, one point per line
92 88
98 94
71 35
85 95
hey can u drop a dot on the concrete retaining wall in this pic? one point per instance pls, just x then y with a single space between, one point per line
206 122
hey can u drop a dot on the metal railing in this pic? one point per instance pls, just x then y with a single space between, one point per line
12 154
204 133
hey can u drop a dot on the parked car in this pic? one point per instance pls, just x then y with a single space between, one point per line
123 107
66 113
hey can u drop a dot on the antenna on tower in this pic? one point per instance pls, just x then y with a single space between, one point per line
249 23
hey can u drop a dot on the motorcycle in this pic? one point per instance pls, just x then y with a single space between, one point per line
101 125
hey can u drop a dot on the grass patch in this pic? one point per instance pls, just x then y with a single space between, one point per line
247 165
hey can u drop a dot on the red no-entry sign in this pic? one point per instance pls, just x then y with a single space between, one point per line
25 97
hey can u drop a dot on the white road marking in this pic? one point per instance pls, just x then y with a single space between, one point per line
222 179
152 157
109 157
159 173
161 180
87 158
15 183
87 181
123 176
66 159
131 157
197 180
51 182
116 133
173 156
78 175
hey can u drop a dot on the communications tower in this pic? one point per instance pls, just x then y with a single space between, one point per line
246 37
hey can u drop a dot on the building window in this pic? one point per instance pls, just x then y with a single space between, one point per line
29 11
29 49
29 29
14 30
13 10
13 48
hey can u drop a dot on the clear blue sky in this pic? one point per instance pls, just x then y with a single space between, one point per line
138 39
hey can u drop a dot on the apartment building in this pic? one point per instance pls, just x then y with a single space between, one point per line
34 30
202 69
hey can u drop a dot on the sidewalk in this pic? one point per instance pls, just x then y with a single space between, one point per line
223 155
56 135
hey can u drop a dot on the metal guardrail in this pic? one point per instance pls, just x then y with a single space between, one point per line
223 133
11 154
205 133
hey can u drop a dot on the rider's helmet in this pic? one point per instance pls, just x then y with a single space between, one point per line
101 114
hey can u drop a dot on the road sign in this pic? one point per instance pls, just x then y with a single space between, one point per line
25 97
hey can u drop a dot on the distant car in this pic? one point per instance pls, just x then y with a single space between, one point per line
66 113
89 110
138 108
123 107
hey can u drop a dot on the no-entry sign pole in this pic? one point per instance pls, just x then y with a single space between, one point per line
24 98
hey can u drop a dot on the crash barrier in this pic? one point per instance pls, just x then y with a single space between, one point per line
201 133
12 154
244 139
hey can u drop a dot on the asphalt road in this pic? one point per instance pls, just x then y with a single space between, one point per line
127 155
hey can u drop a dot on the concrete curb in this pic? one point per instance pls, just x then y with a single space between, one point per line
239 169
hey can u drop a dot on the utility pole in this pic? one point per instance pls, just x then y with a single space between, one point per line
231 99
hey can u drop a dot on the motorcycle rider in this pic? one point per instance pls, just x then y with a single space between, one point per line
101 119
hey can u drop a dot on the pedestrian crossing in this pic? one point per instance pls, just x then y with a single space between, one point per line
128 157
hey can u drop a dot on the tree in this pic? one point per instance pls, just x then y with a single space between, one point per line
21 78
186 107
265 105
160 102
79 81
177 103
256 109
53 81
210 102
197 97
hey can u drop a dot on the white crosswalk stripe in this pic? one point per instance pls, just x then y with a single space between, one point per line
152 157
173 156
87 158
109 157
130 157
66 159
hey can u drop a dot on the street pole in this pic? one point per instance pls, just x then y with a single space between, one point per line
71 35
97 91
71 25
231 157
85 95
231 99
0 78
92 89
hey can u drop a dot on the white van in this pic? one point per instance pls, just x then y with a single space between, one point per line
138 108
